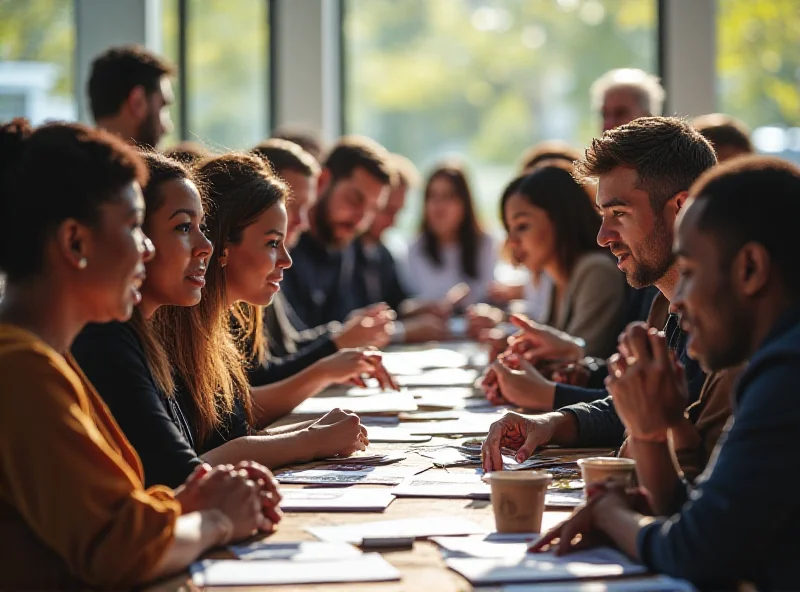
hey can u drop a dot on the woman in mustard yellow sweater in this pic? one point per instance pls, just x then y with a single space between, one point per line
73 509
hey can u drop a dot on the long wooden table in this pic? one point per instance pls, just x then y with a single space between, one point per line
422 567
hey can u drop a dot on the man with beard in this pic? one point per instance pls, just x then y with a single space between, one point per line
738 296
644 170
130 93
355 182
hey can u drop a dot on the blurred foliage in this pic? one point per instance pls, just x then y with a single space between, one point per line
40 31
227 71
758 62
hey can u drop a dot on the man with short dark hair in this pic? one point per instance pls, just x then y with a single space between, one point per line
644 170
729 137
354 184
739 299
130 93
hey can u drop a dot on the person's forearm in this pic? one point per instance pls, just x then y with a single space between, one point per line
194 534
271 451
687 448
286 429
273 401
565 432
656 473
622 526
539 399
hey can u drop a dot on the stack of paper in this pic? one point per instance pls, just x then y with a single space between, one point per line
337 499
415 362
387 475
384 403
377 434
301 551
484 562
440 484
360 460
415 528
370 567
439 378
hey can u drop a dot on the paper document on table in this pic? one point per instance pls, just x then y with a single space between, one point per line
414 362
381 434
416 528
457 397
443 484
385 475
336 499
469 424
387 403
301 551
440 377
645 584
359 460
513 567
370 567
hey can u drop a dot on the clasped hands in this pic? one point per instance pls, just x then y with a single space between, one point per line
647 383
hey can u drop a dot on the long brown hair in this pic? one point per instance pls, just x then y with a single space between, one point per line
162 169
208 357
469 233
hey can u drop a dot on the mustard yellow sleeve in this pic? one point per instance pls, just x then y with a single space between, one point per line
72 488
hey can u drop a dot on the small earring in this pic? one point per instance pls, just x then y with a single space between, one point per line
82 263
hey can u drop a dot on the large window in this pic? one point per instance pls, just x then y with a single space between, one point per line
37 41
226 70
484 79
758 70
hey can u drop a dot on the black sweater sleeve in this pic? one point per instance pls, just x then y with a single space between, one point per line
112 357
277 369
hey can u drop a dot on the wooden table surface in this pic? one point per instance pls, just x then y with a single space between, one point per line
422 567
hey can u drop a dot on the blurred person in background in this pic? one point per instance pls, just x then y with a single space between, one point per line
377 269
354 184
729 136
130 93
624 94
452 248
308 140
188 153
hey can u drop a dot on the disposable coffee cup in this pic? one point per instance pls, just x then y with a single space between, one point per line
518 499
600 469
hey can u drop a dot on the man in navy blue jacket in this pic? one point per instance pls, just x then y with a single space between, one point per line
739 298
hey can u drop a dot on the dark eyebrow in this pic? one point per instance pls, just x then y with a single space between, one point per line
187 211
614 202
274 231
520 215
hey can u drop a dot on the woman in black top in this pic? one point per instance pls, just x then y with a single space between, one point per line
129 364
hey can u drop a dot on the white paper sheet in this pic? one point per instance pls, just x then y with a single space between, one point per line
441 377
386 475
417 528
475 425
414 362
301 551
370 567
543 567
379 434
441 484
394 402
336 499
646 584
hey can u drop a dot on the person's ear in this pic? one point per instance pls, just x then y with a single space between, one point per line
223 258
137 104
74 243
751 269
324 181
